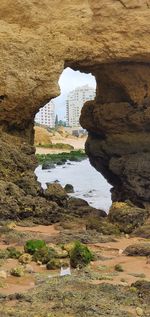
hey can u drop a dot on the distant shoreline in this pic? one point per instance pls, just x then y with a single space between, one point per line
77 143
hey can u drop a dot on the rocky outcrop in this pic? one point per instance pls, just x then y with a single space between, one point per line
108 38
138 249
144 230
118 123
127 216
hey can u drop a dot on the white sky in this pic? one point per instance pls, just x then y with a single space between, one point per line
69 80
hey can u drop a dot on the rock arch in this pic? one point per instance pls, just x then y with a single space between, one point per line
108 38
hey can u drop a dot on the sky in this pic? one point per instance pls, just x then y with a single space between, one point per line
68 81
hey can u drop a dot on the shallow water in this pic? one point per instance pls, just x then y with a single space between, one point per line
87 182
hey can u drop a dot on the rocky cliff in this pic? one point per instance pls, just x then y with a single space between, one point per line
109 38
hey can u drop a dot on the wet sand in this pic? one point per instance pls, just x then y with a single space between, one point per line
134 268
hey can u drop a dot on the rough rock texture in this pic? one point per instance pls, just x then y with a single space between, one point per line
80 208
118 123
127 216
55 192
142 249
109 38
144 230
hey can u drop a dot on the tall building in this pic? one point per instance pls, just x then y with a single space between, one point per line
75 102
46 115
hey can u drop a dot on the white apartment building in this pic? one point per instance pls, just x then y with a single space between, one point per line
46 115
75 102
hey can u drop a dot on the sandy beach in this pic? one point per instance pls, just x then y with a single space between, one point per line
77 143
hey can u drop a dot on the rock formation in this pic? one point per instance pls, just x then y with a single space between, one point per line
118 123
109 38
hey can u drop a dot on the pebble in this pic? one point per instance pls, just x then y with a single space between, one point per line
120 251
139 311
29 269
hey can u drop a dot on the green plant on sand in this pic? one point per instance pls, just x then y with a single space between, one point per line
13 253
17 271
77 155
53 264
32 246
44 255
10 253
59 146
80 255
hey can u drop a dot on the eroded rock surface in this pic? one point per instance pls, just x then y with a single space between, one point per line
118 123
142 249
127 216
108 38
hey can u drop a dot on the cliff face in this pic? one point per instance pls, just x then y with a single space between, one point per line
109 38
118 122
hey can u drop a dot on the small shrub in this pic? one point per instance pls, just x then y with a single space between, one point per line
32 246
80 255
10 252
4 254
17 271
119 268
133 289
53 264
44 255
13 253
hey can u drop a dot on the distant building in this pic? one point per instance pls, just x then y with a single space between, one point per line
75 102
46 115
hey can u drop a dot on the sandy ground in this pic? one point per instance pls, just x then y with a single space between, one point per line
50 230
77 143
134 268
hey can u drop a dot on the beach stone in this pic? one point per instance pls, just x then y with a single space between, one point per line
56 193
60 163
29 269
69 188
25 258
60 252
139 249
74 202
80 207
139 311
53 264
69 246
47 166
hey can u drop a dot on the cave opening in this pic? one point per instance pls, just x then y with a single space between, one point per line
58 129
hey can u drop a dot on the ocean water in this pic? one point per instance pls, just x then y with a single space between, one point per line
87 182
